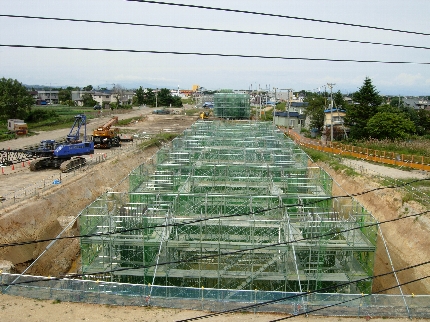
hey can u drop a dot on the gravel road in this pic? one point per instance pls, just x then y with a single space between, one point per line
384 171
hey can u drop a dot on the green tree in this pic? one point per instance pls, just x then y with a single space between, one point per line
166 99
88 100
139 97
315 111
88 88
163 97
149 97
339 101
386 125
15 101
64 95
424 120
397 102
366 101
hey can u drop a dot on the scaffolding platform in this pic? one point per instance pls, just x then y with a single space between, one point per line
229 205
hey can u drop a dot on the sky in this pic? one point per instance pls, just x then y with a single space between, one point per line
62 67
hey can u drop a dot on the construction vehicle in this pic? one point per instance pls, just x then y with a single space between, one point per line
204 115
66 155
105 137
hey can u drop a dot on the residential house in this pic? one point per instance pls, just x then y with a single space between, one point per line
293 120
47 97
103 98
336 118
417 103
77 97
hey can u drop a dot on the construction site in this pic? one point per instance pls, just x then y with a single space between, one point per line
230 205
230 213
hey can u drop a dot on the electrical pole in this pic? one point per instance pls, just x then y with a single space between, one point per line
331 110
259 101
288 110
274 108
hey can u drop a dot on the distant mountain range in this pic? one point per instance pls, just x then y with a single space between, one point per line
108 86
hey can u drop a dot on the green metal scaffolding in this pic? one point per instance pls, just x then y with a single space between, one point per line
230 205
232 105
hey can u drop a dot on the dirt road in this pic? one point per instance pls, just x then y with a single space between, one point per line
22 142
17 309
17 177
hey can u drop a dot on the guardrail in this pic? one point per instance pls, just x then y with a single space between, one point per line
402 160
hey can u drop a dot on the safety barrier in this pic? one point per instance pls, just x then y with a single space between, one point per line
402 160
216 300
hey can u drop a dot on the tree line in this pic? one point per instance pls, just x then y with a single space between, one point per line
16 101
369 116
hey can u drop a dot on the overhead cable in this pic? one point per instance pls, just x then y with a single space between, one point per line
321 290
213 54
176 224
240 251
280 16
353 299
213 30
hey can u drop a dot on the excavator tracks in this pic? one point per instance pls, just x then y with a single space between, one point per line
38 164
72 164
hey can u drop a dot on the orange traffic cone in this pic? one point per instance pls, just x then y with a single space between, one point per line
13 167
2 170
23 165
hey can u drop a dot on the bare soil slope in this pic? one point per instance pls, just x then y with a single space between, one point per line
46 215
407 240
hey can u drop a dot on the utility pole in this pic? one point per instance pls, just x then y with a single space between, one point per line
156 99
274 108
288 109
259 101
331 110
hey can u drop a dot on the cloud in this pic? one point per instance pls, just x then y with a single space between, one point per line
404 79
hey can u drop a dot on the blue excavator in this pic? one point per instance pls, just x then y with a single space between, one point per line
66 155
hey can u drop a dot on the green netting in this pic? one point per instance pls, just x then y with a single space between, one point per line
232 105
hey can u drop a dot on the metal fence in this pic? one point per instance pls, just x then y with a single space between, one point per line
215 300
51 181
417 162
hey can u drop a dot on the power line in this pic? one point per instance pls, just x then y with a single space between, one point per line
120 231
280 16
212 54
353 299
321 290
213 30
237 251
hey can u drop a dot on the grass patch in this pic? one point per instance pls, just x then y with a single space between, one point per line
157 140
192 111
419 146
335 162
130 120
411 189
